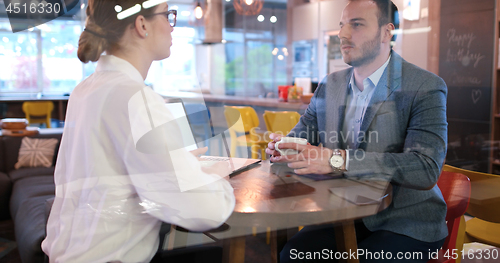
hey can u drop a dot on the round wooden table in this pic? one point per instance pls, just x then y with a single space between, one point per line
271 196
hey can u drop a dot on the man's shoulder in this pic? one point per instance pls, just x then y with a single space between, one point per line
341 73
341 76
410 70
414 69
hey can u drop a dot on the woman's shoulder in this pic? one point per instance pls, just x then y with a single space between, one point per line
109 82
116 78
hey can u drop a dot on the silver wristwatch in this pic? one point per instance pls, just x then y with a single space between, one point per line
336 161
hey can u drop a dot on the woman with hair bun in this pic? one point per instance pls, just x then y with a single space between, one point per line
122 168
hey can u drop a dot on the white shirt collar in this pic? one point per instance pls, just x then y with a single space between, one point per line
374 77
113 63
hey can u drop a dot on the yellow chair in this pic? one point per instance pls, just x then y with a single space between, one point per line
38 112
281 122
244 120
484 206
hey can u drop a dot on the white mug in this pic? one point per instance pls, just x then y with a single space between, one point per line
287 140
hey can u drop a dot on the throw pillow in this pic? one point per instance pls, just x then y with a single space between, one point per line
36 152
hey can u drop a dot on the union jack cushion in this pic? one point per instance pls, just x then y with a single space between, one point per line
36 152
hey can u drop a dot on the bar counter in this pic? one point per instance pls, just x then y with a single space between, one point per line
211 99
13 104
216 104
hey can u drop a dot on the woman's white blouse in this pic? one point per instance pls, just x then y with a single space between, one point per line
121 170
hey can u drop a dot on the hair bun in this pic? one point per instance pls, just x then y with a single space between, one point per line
92 43
103 30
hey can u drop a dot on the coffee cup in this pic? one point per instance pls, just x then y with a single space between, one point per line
289 140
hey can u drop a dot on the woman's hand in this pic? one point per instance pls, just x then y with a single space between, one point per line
221 169
199 151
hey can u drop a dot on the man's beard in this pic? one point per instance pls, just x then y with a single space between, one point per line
369 51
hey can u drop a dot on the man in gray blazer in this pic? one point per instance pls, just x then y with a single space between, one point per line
381 118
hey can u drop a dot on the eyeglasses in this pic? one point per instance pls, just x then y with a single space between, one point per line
170 14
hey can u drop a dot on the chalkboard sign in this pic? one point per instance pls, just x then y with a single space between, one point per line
466 57
466 63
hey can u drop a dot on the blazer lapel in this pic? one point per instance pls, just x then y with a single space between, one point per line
336 106
390 81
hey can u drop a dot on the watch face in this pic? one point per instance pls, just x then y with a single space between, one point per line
337 161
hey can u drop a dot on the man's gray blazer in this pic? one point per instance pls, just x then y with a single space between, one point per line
403 138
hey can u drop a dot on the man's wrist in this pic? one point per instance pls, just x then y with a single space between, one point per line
337 160
344 156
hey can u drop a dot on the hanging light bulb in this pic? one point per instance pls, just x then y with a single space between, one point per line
198 12
275 51
248 7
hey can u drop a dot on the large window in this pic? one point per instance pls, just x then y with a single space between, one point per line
256 52
43 60
176 72
40 59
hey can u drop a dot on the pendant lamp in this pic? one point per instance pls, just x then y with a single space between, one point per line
248 7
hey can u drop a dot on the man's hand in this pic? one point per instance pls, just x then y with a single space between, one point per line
309 160
270 146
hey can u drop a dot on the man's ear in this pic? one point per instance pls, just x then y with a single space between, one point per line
387 32
141 26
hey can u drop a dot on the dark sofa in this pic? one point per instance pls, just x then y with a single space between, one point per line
25 196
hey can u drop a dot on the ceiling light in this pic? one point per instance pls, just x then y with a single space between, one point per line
198 12
260 18
129 12
150 3
275 51
248 7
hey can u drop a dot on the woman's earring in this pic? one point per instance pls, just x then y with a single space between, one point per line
146 34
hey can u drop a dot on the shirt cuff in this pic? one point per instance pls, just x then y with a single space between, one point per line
346 160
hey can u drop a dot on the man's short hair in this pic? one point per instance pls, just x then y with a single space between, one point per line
387 13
